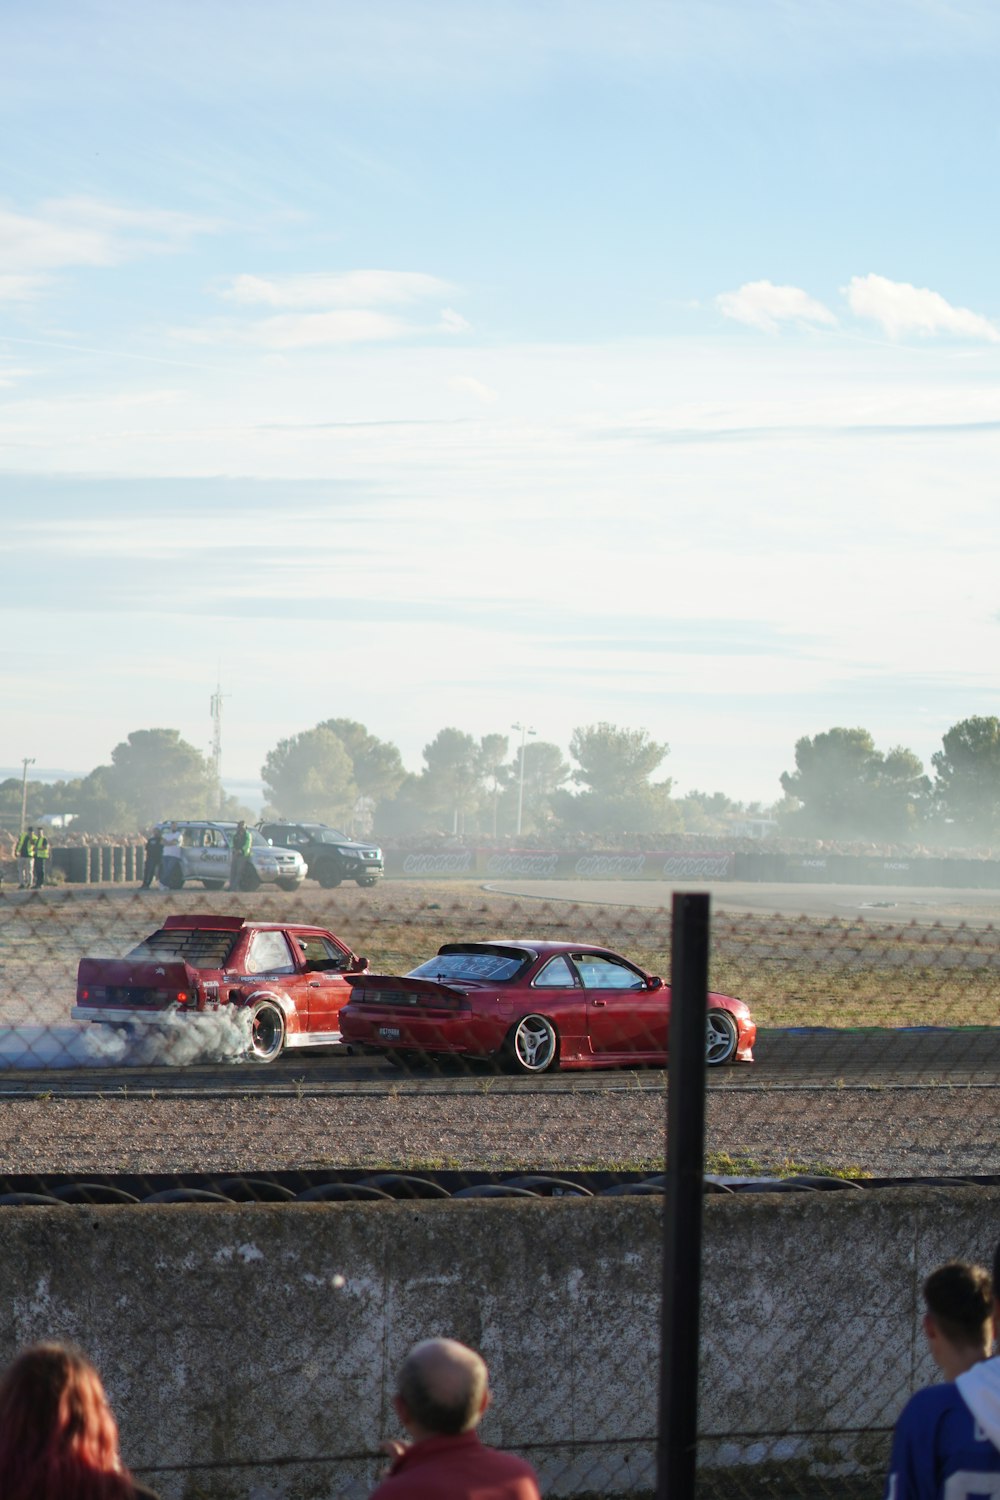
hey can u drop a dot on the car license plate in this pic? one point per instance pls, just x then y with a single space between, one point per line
391 1033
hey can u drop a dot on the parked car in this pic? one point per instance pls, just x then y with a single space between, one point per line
289 979
533 1006
206 854
331 857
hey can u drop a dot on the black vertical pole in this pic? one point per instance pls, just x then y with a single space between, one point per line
678 1416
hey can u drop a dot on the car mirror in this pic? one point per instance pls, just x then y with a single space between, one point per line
359 966
654 982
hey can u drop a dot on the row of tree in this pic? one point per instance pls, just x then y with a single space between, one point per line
842 786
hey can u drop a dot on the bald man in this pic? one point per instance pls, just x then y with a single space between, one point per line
442 1392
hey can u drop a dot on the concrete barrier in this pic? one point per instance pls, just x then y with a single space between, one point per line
243 1337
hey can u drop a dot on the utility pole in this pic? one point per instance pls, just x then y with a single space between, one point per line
525 729
26 762
216 706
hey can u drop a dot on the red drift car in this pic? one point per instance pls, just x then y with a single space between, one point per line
533 1006
289 981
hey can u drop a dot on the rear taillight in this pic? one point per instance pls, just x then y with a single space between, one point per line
84 994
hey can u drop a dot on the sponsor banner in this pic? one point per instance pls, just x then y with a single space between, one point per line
438 862
610 866
554 864
698 867
533 866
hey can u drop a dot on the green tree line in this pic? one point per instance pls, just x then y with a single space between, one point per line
610 786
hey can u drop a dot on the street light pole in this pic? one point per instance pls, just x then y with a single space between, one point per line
525 730
25 763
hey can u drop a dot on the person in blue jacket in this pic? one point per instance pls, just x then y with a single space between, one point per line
946 1445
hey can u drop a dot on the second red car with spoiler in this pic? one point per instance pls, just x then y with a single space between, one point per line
532 1006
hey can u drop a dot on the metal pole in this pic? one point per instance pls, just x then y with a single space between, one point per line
677 1436
26 762
525 730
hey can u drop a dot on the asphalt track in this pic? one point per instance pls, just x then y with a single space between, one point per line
807 1058
924 905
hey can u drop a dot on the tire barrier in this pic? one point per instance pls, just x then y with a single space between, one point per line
386 1187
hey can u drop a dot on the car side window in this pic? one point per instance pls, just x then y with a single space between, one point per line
556 974
599 973
269 954
318 950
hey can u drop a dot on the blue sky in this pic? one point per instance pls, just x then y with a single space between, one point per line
464 363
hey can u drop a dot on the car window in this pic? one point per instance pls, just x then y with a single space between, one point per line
191 837
317 950
270 954
557 974
201 948
599 973
491 967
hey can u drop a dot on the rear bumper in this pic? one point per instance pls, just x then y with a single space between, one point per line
122 1015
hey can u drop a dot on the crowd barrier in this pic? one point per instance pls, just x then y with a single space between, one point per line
114 863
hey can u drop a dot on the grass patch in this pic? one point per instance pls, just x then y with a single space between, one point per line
723 1164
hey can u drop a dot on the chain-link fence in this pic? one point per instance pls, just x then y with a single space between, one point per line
525 1060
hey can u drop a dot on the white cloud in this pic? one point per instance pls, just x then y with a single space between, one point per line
86 232
350 289
453 322
900 308
469 385
17 288
307 331
761 304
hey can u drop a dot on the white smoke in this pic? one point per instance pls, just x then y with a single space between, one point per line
220 1037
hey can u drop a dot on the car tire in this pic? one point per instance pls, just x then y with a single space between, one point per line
723 1038
532 1046
369 882
288 885
213 885
249 880
267 1032
329 876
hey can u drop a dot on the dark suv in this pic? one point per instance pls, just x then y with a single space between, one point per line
329 854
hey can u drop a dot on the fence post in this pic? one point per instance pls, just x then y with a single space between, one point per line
677 1435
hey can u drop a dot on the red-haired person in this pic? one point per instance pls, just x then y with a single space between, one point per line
58 1435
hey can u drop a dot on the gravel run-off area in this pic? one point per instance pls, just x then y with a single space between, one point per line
882 1131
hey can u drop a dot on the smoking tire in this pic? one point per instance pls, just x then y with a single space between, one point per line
267 1032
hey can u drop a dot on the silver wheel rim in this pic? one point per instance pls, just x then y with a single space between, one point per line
721 1040
534 1043
267 1033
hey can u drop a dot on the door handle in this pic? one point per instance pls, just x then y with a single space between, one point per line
598 1002
315 984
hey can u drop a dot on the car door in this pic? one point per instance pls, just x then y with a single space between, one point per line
215 855
273 966
325 988
625 1017
193 846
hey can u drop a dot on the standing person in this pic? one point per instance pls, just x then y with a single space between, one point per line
24 852
171 851
58 1435
42 851
947 1438
242 844
442 1392
154 856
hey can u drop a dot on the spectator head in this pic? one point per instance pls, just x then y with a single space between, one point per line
959 1317
442 1389
58 1434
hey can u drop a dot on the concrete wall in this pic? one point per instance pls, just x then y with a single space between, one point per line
252 1334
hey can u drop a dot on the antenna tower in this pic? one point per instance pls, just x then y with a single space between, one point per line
216 706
